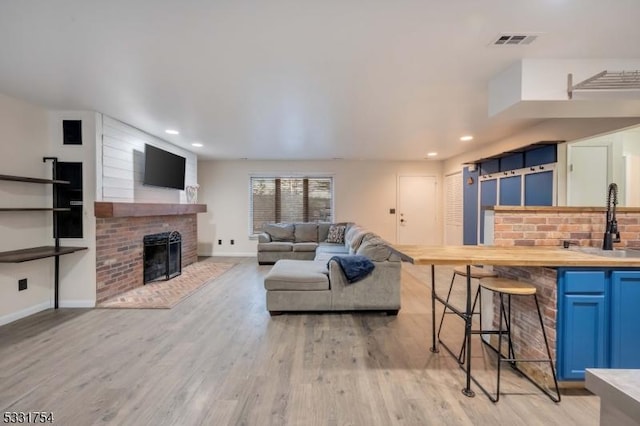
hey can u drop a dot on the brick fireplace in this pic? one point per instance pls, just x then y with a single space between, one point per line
120 230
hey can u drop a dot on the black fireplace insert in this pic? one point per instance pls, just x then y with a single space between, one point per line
162 256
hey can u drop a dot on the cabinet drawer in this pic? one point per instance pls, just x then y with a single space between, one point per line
584 282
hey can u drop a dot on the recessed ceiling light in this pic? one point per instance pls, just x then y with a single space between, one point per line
197 144
172 132
432 154
466 138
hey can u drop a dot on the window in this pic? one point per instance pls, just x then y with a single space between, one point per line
290 199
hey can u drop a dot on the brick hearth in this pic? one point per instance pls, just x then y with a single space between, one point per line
119 249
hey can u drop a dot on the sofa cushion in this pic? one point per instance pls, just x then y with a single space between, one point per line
297 275
375 249
336 234
306 233
323 230
356 239
351 231
280 231
277 246
305 246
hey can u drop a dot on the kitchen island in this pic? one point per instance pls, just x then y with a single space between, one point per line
546 268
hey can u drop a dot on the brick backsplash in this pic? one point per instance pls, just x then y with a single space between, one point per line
119 249
551 229
548 228
526 334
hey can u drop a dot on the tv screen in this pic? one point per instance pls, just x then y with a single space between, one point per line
162 168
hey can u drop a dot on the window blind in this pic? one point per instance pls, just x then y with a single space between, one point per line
290 199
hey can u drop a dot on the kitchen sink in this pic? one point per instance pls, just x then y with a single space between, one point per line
618 252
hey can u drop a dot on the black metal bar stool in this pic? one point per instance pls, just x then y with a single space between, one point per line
477 273
509 287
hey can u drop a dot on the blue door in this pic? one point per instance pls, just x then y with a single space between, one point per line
625 322
510 191
538 189
582 339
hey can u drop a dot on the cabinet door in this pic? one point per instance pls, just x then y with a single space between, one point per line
625 323
538 189
470 206
584 335
510 191
488 197
583 323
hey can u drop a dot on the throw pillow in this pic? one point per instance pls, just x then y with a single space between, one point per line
336 234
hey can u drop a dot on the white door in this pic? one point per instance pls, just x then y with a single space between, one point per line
453 209
417 207
632 181
587 176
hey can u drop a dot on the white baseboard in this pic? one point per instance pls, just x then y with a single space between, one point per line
77 303
6 319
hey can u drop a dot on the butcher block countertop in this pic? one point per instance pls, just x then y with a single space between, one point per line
508 256
558 209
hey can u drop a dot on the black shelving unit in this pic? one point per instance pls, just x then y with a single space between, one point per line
42 252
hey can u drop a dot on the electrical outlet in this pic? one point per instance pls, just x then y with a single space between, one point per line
219 242
22 284
233 242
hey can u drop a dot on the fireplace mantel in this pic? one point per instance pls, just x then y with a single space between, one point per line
109 209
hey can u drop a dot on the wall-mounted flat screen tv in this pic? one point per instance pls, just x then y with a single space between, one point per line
162 168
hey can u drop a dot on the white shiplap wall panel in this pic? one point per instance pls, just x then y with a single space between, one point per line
118 194
123 165
120 164
118 183
112 172
115 153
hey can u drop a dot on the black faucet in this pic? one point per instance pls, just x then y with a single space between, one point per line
611 227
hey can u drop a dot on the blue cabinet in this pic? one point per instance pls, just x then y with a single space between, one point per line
488 198
597 325
625 324
470 206
582 333
510 190
538 189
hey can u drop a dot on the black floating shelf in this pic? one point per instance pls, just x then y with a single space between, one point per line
34 209
25 255
32 180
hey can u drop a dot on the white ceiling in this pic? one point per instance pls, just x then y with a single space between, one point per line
297 79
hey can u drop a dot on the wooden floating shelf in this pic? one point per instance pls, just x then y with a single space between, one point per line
107 209
32 180
34 209
25 255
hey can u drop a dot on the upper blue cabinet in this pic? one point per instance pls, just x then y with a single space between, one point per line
543 155
512 162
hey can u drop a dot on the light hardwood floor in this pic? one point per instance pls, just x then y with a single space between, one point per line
218 358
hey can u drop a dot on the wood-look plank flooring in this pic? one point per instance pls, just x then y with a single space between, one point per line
218 358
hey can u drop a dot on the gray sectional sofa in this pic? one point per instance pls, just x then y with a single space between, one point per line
298 241
305 280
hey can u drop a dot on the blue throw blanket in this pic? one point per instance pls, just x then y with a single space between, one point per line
355 267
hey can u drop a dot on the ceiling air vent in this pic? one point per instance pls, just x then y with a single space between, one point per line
514 39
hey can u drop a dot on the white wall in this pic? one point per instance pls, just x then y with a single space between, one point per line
24 143
120 161
364 191
29 134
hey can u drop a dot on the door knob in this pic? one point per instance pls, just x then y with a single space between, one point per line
401 220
